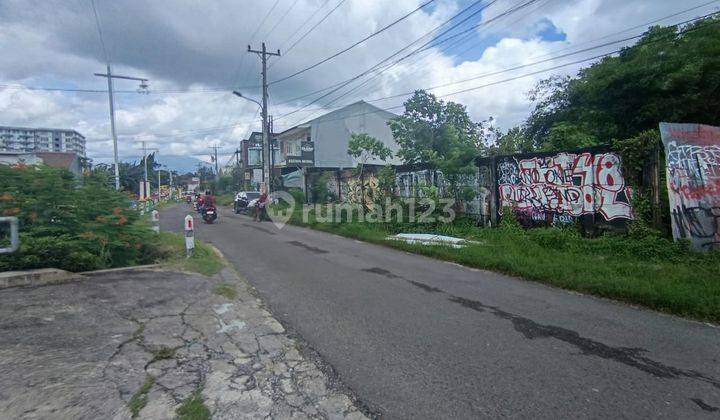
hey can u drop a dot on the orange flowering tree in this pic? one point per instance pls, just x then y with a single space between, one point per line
70 223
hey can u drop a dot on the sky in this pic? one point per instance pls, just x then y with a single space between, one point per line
195 53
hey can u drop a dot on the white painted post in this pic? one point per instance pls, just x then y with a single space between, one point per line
155 217
189 235
14 235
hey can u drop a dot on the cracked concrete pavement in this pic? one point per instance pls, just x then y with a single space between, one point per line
419 338
85 349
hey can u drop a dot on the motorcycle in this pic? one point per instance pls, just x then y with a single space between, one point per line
209 214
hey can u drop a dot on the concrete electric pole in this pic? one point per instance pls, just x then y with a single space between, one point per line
146 184
142 89
267 150
214 158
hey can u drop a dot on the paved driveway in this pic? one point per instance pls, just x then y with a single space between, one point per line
152 340
415 337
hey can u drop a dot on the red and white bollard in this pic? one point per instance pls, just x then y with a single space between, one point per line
189 235
155 217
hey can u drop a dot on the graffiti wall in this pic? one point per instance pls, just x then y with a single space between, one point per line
693 176
558 188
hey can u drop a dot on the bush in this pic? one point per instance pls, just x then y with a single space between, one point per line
69 224
509 221
297 194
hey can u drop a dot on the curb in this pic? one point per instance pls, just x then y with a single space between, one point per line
39 277
118 269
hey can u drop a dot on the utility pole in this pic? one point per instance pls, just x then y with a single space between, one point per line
266 135
145 173
272 147
142 89
238 170
215 159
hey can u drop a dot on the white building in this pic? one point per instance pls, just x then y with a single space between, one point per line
327 137
24 139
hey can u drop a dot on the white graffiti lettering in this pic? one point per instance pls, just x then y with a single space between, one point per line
566 184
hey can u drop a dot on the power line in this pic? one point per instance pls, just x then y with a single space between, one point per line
100 34
290 48
277 23
426 45
507 12
262 22
179 134
436 41
548 54
379 31
345 82
531 73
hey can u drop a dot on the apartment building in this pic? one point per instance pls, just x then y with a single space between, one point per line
24 139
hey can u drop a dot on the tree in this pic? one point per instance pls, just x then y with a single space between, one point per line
672 74
437 134
365 147
515 140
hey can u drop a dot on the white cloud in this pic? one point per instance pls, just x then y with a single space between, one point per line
198 45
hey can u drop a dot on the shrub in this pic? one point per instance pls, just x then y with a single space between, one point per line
71 224
297 194
509 221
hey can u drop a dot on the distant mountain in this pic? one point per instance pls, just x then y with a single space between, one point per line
180 163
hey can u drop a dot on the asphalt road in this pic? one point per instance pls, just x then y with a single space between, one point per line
413 337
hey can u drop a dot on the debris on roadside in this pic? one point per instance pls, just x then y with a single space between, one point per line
431 239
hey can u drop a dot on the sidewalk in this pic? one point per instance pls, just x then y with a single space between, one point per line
150 342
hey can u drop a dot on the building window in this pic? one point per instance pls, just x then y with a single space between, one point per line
293 147
254 156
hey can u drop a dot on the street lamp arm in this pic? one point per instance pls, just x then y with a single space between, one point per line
236 93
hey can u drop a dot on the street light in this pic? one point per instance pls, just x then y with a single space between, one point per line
267 148
235 92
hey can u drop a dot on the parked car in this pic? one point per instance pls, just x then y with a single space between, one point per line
243 201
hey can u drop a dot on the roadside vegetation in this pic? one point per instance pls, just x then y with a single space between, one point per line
71 224
140 398
193 408
226 290
638 267
204 260
616 102
83 224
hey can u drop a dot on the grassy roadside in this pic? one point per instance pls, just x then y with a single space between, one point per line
649 271
205 260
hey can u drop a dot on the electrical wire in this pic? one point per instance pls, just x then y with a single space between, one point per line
545 70
378 32
436 28
277 22
314 26
99 30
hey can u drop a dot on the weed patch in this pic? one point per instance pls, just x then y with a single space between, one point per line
163 353
225 290
140 398
204 259
193 408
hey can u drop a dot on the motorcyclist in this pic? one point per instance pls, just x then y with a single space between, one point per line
209 200
260 208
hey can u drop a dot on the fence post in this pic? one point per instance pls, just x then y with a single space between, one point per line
189 236
14 235
155 217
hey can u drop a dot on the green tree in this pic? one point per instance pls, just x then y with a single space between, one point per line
437 134
364 147
71 224
672 74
